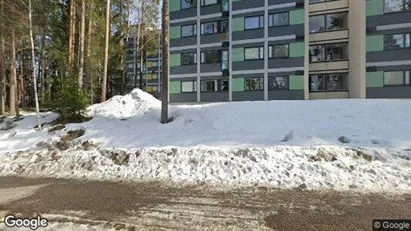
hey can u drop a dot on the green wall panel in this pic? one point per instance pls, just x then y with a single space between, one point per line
238 84
175 87
296 17
297 49
174 5
175 60
238 54
296 82
175 32
375 43
375 7
375 79
238 24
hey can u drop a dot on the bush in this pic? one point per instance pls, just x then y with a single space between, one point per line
70 102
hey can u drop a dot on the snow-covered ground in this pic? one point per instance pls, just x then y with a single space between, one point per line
279 143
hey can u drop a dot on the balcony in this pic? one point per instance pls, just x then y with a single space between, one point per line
328 5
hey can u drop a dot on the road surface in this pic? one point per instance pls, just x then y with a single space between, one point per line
95 205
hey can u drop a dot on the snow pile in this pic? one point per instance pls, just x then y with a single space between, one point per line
284 167
134 104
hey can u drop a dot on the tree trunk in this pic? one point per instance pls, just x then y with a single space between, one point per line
122 50
13 77
72 32
165 72
89 71
33 59
21 80
141 43
43 65
104 81
2 66
83 31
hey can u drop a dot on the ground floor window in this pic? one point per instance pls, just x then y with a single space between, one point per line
254 84
278 83
395 78
214 85
326 82
188 86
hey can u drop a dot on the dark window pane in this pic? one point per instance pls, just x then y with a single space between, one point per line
209 85
185 4
224 85
188 58
209 28
334 82
336 51
280 51
317 83
393 5
337 21
254 84
317 53
278 83
394 41
224 26
279 19
188 30
224 60
317 23
210 57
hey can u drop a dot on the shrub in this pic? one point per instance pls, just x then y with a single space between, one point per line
70 102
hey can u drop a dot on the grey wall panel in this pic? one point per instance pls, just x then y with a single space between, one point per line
187 41
248 34
194 78
276 2
392 31
280 10
214 77
248 76
391 55
191 22
184 51
214 96
210 38
213 48
184 69
260 44
248 96
284 41
273 74
246 4
248 65
389 92
286 95
211 67
391 18
394 68
192 12
212 9
183 97
289 62
250 14
286 30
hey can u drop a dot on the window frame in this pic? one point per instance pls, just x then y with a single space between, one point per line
259 53
195 30
325 54
272 14
258 83
187 53
288 83
404 41
325 20
194 82
404 9
272 51
404 77
260 22
193 6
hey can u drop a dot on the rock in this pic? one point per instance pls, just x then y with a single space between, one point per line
302 186
58 127
119 158
289 136
344 140
44 145
62 146
374 141
118 226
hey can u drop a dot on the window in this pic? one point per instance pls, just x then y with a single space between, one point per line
224 85
278 83
326 82
392 78
396 41
329 22
188 58
328 52
254 84
224 26
224 60
278 51
188 86
254 53
185 4
209 28
210 57
209 85
155 88
188 30
225 5
254 22
281 19
208 2
396 5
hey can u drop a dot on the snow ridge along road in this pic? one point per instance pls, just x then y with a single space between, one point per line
333 144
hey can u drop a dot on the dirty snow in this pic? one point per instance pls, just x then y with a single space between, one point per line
277 143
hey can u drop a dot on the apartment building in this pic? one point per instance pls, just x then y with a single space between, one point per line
239 50
151 71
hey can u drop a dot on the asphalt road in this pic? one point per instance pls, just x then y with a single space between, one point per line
94 205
